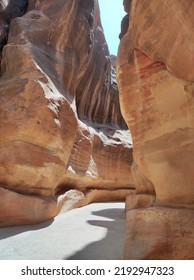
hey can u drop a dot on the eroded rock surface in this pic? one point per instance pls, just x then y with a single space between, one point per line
159 233
60 121
155 78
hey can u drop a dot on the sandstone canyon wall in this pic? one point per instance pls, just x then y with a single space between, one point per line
63 140
156 85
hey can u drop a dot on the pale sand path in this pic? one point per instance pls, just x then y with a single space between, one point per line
93 232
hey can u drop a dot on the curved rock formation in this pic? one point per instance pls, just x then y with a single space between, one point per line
155 79
60 121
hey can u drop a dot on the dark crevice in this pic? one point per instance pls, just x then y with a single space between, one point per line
112 189
9 11
63 188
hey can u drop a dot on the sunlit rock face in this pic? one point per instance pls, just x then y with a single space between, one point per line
155 78
63 140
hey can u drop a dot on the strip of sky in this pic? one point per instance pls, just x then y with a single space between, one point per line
111 12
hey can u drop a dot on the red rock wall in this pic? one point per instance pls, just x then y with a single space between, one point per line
63 136
154 71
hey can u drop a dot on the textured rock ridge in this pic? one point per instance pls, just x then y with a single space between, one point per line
154 73
64 142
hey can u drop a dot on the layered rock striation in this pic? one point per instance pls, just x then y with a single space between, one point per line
155 78
63 140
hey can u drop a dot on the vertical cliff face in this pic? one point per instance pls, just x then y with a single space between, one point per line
155 80
102 106
64 142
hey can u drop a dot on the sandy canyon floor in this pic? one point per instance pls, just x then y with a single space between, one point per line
94 232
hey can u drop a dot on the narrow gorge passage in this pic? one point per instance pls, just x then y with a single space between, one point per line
64 141
94 232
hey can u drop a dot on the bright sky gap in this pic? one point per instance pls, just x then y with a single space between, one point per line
111 13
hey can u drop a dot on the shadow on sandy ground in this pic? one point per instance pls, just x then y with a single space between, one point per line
11 231
112 245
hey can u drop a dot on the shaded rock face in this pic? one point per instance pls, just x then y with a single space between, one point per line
8 11
63 139
125 20
154 73
124 26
